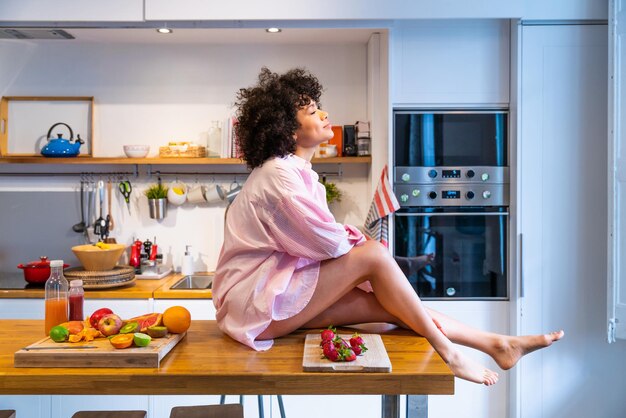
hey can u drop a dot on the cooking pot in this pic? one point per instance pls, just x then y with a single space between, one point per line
37 272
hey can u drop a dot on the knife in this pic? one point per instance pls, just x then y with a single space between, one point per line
59 348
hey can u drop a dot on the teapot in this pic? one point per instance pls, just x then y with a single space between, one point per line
61 147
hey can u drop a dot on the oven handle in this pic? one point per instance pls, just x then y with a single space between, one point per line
455 214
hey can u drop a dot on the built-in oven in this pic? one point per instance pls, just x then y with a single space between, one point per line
451 178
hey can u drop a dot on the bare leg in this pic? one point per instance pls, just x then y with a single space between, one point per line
504 349
372 261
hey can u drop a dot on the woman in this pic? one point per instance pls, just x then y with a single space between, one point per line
286 264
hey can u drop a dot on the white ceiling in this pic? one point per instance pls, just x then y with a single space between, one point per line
224 36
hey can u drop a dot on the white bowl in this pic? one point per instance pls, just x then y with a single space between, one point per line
136 151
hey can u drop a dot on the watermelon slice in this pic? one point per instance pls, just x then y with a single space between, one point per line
147 320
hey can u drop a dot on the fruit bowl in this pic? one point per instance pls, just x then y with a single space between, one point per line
99 257
136 151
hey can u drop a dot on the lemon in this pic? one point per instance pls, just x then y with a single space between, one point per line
59 334
178 190
141 340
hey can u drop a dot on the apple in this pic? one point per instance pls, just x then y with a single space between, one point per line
110 324
95 317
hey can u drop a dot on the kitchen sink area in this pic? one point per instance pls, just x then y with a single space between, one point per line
194 281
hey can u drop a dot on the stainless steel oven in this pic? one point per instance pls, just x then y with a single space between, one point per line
451 178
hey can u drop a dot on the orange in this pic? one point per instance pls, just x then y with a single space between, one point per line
122 340
177 319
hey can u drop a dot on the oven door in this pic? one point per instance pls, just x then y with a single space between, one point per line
450 138
469 247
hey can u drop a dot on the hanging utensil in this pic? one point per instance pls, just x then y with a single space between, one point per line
125 188
100 224
81 226
109 217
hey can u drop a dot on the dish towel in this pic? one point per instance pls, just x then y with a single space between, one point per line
383 204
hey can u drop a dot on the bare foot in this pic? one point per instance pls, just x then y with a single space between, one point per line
466 369
510 349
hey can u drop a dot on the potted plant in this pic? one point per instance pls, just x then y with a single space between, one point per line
333 194
157 200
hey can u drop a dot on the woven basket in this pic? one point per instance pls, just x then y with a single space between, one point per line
182 151
119 276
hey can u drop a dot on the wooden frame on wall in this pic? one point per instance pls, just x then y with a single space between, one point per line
5 102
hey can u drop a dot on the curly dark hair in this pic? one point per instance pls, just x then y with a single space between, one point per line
266 113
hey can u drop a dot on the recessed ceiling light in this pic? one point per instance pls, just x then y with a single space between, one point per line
273 30
164 30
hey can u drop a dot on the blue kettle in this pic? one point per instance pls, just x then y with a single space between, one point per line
61 147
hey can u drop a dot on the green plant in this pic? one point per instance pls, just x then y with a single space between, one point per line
156 191
333 194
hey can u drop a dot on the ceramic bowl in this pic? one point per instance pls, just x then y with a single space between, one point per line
94 258
136 151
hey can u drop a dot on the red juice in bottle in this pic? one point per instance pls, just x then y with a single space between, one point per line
76 300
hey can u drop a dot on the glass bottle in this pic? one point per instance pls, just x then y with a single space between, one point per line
76 300
215 140
56 296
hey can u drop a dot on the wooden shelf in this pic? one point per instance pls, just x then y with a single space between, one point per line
162 161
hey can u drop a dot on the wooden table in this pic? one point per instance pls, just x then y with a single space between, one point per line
208 362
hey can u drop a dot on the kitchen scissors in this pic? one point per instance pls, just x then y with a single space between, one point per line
125 189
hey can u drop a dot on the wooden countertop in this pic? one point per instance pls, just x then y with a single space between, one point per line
141 289
208 362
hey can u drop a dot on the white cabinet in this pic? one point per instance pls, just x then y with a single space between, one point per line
450 62
330 10
71 10
563 209
27 405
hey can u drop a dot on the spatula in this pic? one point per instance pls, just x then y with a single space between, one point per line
99 225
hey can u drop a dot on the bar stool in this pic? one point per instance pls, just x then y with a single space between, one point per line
7 413
110 414
233 410
281 407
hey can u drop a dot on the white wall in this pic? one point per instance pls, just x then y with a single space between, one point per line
153 94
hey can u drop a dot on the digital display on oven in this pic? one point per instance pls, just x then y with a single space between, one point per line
451 194
451 174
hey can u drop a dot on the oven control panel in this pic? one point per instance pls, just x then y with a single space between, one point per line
458 194
408 175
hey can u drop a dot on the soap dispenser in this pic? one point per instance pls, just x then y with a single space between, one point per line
187 265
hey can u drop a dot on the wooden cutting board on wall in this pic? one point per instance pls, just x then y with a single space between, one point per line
47 353
375 359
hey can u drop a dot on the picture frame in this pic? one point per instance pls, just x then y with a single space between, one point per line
26 120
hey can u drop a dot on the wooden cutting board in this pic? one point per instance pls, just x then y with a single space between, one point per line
375 359
103 355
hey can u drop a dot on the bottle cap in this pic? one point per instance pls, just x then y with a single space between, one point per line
76 283
56 263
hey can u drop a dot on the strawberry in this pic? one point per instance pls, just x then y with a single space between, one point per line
340 343
349 355
328 334
330 352
357 344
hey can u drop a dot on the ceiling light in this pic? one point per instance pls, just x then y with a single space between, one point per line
273 30
164 30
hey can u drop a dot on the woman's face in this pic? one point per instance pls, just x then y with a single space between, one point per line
314 126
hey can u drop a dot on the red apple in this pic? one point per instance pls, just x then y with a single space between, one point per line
110 324
97 316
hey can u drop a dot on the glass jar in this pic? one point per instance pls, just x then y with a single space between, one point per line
76 300
56 296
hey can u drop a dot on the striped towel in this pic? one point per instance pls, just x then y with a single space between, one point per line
383 204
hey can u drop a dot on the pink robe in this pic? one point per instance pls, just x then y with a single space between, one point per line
277 232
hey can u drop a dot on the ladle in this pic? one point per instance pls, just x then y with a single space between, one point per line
81 226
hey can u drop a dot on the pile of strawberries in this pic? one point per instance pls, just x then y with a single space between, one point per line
336 348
